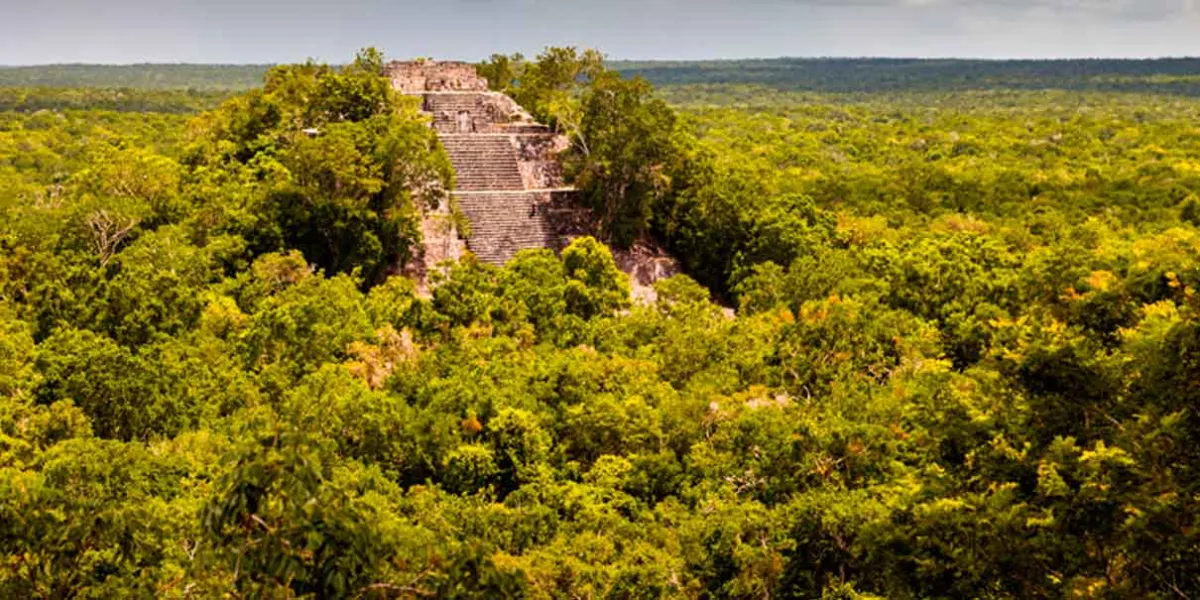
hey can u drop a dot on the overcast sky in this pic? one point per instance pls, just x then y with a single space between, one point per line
255 31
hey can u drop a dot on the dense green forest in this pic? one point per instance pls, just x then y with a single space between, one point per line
17 99
963 359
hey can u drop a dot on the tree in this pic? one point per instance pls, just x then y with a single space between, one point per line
622 153
502 71
340 165
284 522
595 286
555 78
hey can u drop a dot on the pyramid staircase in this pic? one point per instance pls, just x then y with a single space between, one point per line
500 158
506 222
509 180
483 162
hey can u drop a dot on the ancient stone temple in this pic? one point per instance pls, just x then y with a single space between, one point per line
509 182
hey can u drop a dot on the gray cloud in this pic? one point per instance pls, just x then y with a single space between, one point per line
287 30
1148 9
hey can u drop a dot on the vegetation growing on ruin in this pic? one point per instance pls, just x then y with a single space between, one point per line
964 359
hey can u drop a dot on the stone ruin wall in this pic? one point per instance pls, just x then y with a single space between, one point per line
537 157
416 77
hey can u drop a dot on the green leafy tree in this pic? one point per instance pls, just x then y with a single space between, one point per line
595 286
502 71
283 521
340 164
622 152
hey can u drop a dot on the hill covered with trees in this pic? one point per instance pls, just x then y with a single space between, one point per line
964 359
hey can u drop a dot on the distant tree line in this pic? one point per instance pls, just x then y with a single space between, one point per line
1163 76
1179 76
143 76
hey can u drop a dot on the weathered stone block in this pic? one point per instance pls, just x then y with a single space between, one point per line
414 77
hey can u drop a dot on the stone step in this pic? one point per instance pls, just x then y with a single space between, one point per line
439 102
484 163
503 223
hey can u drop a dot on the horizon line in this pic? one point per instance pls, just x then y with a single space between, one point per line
153 63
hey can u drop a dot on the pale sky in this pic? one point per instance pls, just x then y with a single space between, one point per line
259 31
